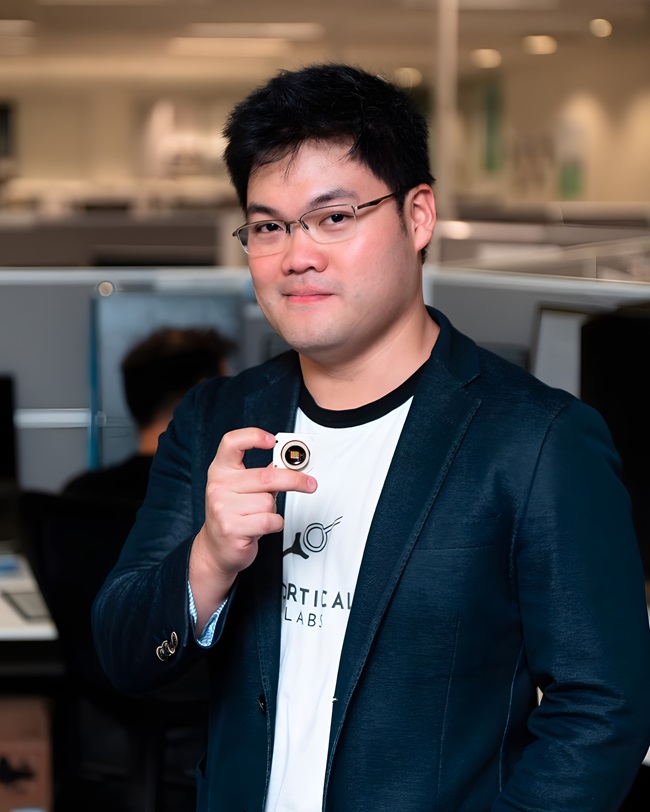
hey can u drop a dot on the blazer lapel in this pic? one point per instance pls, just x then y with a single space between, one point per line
437 421
271 407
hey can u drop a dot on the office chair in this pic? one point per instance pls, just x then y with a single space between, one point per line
614 357
111 751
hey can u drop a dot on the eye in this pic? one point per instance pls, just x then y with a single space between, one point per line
266 227
335 218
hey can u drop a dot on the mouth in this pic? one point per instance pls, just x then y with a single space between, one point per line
306 296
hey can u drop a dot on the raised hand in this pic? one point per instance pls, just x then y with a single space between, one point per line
239 509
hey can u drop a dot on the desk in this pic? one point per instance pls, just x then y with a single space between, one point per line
29 646
23 614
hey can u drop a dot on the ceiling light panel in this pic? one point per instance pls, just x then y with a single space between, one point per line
104 2
297 32
540 45
486 58
600 27
488 5
220 47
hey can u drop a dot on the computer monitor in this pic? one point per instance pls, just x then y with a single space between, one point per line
557 346
8 473
121 320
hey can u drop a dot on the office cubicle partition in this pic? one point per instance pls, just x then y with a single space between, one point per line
49 323
62 334
531 319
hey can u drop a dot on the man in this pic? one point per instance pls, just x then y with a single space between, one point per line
156 373
376 639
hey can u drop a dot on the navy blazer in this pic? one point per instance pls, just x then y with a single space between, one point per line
501 559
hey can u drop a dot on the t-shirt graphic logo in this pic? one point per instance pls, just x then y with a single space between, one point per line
314 538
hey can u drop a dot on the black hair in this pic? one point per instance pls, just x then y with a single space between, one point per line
159 370
330 102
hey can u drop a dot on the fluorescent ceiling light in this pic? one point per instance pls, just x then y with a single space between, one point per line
218 47
540 45
486 58
298 32
507 5
407 77
488 5
103 2
600 27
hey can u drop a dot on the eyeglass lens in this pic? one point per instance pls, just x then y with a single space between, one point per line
327 224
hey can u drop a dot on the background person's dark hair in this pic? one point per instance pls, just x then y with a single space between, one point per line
158 371
330 102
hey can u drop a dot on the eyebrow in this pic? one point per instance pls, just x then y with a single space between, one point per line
320 200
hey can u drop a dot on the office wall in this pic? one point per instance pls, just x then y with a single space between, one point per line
82 141
592 105
54 134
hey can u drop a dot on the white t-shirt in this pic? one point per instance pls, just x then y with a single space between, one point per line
324 539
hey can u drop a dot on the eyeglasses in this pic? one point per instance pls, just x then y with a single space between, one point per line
326 224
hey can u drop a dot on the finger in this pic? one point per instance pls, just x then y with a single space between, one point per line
254 527
259 480
249 517
275 480
234 444
251 504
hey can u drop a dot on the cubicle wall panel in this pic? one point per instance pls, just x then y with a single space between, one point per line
504 311
48 457
44 331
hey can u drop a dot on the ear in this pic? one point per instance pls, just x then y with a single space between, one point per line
420 207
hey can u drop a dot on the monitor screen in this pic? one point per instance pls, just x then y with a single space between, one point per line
118 323
7 430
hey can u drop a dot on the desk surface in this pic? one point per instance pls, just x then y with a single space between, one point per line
23 615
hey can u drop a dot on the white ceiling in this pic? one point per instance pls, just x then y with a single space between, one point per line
100 39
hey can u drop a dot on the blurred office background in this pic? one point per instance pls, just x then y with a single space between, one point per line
113 193
116 213
116 106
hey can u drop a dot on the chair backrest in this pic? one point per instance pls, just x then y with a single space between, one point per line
72 543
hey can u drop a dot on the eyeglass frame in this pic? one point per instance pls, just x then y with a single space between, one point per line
287 223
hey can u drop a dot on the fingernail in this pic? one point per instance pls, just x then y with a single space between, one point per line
312 483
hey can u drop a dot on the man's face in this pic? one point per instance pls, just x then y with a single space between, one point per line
337 303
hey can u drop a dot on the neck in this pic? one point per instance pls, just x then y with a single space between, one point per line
363 379
148 438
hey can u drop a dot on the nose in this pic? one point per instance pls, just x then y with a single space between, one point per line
301 252
291 226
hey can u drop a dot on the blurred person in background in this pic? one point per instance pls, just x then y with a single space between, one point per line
156 373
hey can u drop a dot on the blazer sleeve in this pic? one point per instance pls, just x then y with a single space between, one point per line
585 624
144 600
